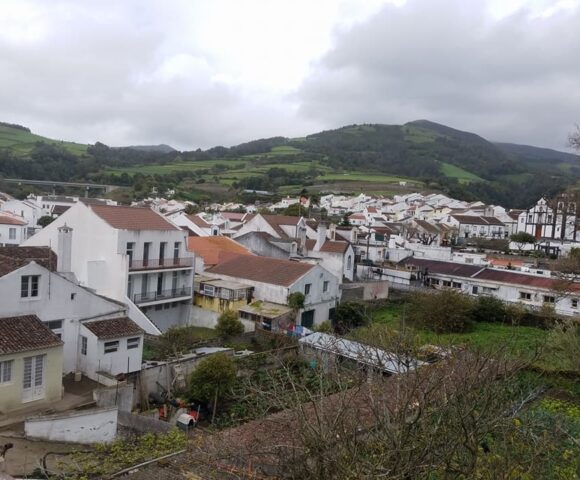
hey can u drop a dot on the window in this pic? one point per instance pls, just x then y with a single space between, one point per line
130 249
307 288
133 343
146 248
446 283
574 303
456 285
469 260
208 290
111 347
162 246
6 371
176 248
349 262
12 234
434 281
549 299
325 286
54 324
29 286
525 296
530 218
84 345
474 289
489 290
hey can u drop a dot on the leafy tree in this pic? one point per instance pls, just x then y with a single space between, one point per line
350 315
295 210
296 301
489 309
522 238
448 311
571 263
212 378
229 325
564 345
574 139
45 220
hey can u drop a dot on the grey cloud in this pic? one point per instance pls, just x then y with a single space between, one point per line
96 77
513 80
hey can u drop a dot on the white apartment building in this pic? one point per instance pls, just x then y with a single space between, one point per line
133 255
13 229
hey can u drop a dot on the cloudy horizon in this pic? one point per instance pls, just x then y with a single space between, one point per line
201 74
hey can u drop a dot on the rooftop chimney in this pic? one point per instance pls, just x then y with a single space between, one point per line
321 237
64 248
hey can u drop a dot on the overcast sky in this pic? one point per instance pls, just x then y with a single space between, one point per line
201 73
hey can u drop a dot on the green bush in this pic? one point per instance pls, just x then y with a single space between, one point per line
489 309
448 311
228 324
212 377
350 315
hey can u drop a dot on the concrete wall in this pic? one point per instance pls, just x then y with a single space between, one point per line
143 424
86 426
19 232
201 317
120 396
11 392
375 290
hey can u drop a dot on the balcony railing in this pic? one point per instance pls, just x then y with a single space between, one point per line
160 263
161 295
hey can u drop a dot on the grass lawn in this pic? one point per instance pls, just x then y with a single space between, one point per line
22 142
365 177
520 341
462 175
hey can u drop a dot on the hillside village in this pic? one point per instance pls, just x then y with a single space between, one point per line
108 310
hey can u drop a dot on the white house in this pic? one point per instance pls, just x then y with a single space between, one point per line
532 291
133 255
26 209
273 280
13 229
30 283
470 226
545 221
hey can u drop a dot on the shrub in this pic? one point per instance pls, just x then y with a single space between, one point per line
212 377
350 315
445 312
228 324
324 327
489 309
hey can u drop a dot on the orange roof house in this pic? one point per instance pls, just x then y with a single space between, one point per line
215 250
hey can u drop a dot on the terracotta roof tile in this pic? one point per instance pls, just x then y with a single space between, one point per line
215 250
13 258
114 328
132 218
263 269
11 220
25 333
276 222
331 246
197 220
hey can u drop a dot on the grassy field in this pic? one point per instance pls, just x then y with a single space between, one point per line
365 177
22 142
462 175
520 341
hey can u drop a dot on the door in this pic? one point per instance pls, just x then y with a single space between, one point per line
307 319
33 382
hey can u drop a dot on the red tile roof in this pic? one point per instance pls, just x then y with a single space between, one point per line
443 268
25 333
263 269
505 276
13 258
11 220
331 246
114 328
197 220
215 250
132 218
276 222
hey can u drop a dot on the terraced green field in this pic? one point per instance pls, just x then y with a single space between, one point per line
462 175
22 142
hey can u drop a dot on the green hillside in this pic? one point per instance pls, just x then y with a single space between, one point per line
377 158
21 141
